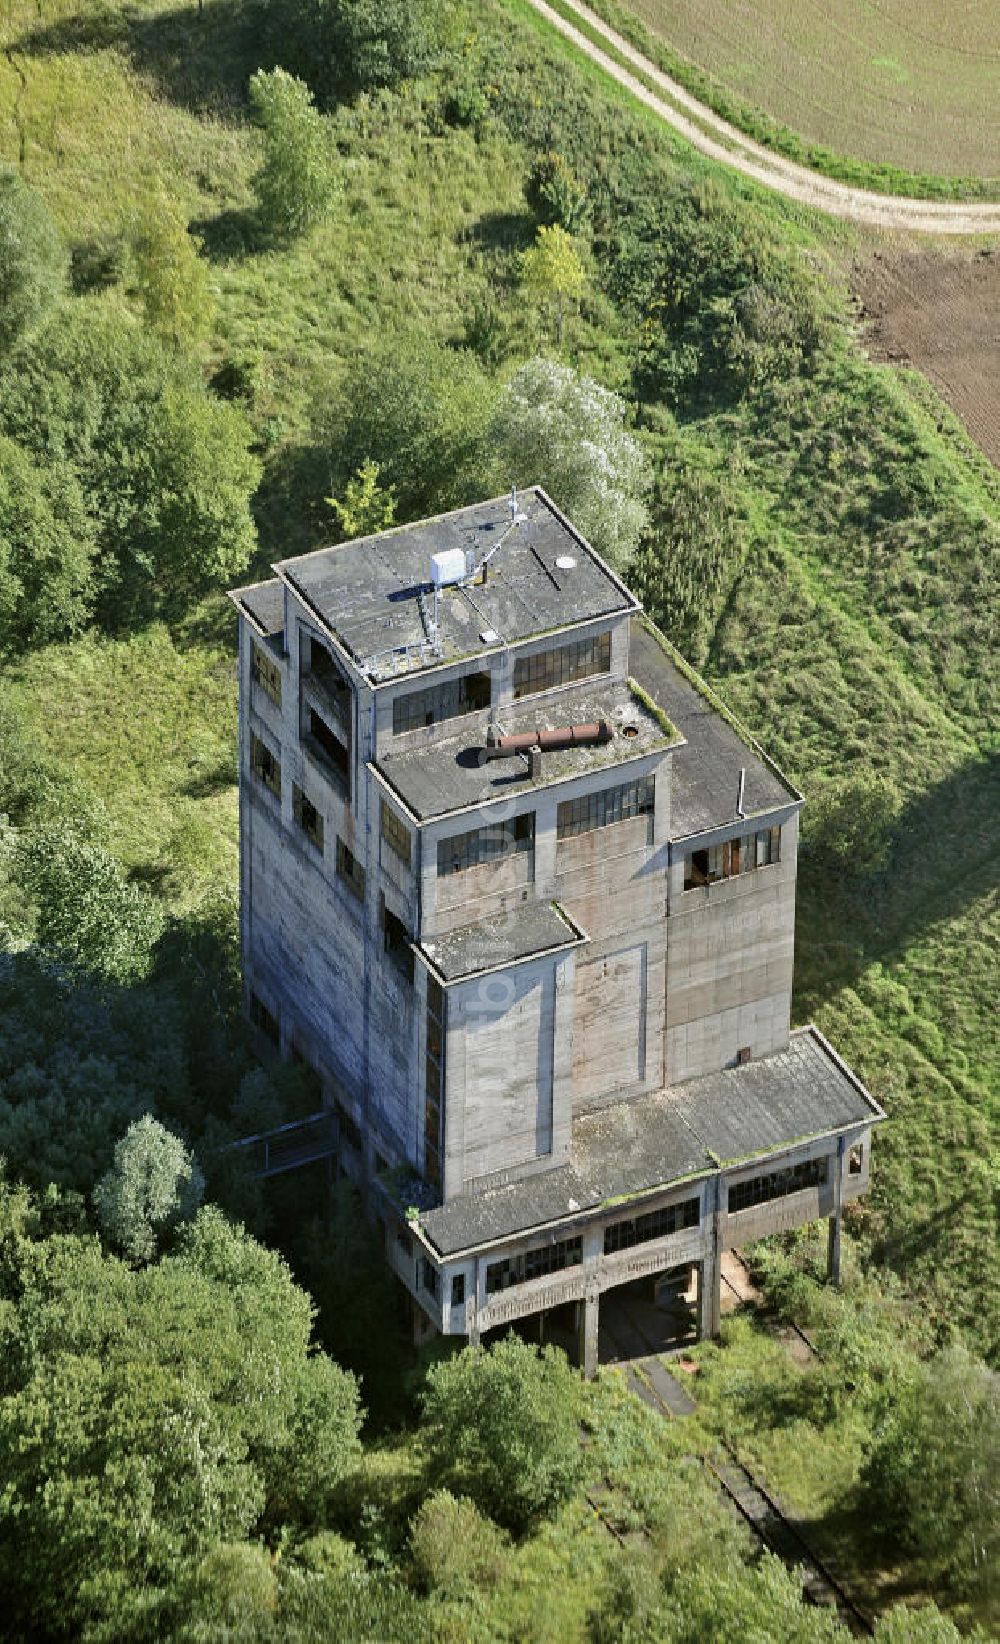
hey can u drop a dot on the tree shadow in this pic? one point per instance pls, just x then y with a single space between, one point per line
943 852
230 235
200 60
501 231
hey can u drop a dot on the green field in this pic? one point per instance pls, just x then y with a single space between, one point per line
911 85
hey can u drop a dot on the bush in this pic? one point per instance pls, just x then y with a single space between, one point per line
32 260
154 1184
456 1552
360 45
558 428
296 184
503 1427
46 551
171 278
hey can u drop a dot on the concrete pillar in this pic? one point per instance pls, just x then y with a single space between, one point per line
588 1314
710 1268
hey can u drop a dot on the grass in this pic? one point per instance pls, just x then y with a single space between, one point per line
819 88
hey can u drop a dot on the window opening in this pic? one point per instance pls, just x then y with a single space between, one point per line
458 1290
265 765
657 1224
350 870
466 695
561 664
264 1019
735 856
334 751
429 1277
600 810
856 1160
777 1184
533 1264
309 819
396 943
484 845
396 834
266 673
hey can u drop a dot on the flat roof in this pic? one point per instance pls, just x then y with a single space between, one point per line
503 940
375 593
633 1148
705 774
436 778
264 604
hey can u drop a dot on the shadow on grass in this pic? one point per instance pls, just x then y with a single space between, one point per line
198 59
230 235
944 852
502 231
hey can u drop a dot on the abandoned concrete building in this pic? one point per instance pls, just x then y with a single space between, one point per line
521 892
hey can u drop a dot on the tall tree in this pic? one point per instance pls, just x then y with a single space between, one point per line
296 183
33 260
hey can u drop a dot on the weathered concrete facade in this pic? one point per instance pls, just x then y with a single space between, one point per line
537 987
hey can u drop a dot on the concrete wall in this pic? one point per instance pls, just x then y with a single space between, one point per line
730 950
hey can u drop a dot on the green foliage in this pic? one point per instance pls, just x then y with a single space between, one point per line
555 194
362 45
502 1427
455 1550
724 1600
147 1416
165 468
553 271
171 278
367 507
46 550
558 428
33 260
296 184
932 1470
923 1624
89 917
419 410
852 825
153 1185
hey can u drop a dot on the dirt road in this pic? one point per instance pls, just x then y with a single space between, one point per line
712 136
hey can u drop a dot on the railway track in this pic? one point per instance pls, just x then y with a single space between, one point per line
794 1328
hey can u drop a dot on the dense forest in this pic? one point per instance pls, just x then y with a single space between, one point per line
271 275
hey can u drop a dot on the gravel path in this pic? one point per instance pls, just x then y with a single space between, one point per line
713 136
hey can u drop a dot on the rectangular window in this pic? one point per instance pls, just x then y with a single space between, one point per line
599 810
856 1160
561 664
266 673
434 1082
777 1184
458 1290
533 1264
350 870
466 695
335 753
656 1225
309 819
735 856
264 1019
482 845
429 1277
396 943
324 672
396 834
265 765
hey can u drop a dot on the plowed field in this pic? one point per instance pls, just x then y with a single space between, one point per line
940 313
911 83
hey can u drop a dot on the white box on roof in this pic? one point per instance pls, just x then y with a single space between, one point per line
448 567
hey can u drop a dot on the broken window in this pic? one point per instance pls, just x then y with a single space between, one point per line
452 698
266 673
733 857
533 1264
335 753
350 870
561 664
264 1019
600 810
429 1277
396 834
458 1290
434 1081
856 1160
323 671
309 819
265 765
777 1184
396 943
483 845
657 1224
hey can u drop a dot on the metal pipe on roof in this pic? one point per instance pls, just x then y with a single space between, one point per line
593 734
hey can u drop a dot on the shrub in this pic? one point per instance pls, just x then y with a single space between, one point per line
32 260
455 1550
154 1184
296 183
502 1427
